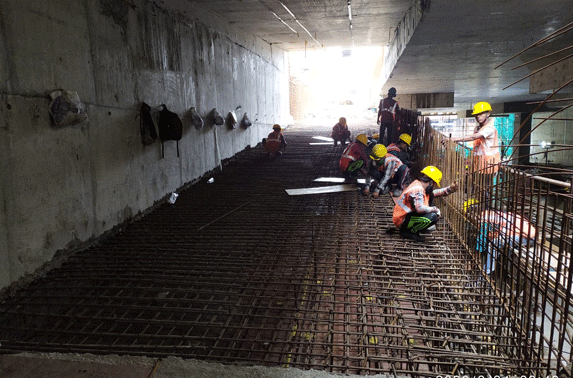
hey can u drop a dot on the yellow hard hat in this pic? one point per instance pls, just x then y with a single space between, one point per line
481 107
362 138
468 203
406 138
378 152
276 126
433 173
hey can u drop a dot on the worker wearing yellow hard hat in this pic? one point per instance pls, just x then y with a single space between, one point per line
354 159
340 132
399 149
486 153
414 211
386 170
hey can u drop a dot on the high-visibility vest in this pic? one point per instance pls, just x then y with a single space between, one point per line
391 158
348 155
274 141
486 158
508 224
393 148
404 204
388 109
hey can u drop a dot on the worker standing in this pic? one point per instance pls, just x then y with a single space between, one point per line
275 143
386 169
414 211
354 158
486 153
386 116
340 132
399 149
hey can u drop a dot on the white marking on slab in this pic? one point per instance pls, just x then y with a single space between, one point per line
324 138
337 179
322 189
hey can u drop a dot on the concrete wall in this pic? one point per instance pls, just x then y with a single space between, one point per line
559 131
69 184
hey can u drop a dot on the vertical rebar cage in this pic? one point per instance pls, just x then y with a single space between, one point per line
517 229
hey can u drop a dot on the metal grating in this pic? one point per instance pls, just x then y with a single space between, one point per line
237 271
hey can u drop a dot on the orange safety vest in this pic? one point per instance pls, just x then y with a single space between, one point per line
349 155
487 158
388 159
508 224
404 204
393 147
274 142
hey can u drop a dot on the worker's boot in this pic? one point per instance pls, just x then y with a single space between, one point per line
412 236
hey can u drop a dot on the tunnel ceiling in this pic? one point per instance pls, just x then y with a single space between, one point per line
455 48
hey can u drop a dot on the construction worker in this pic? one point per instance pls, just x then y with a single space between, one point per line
386 115
414 211
354 158
386 169
486 153
498 229
275 143
340 132
399 149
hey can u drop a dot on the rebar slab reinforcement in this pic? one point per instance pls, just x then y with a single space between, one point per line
238 271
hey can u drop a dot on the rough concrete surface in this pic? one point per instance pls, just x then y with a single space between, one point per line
94 366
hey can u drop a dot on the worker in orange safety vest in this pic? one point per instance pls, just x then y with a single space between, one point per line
275 143
414 211
486 151
399 149
386 169
354 158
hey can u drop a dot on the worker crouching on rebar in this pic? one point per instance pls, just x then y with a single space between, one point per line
414 211
387 170
275 143
354 159
340 132
400 148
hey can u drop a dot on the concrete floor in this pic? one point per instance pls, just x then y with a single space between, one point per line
57 365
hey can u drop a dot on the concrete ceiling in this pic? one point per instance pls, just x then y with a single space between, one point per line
291 24
455 47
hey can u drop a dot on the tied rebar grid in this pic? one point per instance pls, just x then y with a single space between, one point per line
237 271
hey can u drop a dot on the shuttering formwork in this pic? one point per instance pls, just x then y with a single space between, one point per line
239 272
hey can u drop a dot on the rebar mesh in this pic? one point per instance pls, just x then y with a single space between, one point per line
237 271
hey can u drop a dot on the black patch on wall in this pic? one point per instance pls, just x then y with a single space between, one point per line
160 41
117 10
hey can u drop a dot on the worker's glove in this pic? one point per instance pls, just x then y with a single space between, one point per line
454 187
366 191
378 122
375 194
438 212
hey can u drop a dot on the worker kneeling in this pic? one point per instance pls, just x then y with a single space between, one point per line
354 158
387 170
340 132
275 142
414 211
